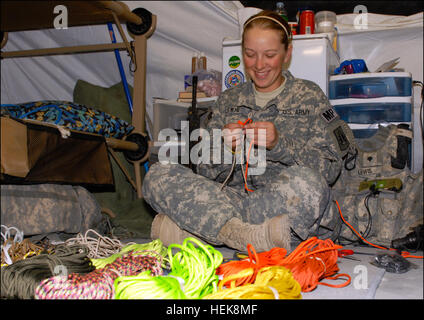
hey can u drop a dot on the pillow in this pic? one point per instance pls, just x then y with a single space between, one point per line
107 99
70 115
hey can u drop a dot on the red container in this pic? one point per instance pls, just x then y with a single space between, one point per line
307 23
293 27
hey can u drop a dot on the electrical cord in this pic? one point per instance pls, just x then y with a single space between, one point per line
369 224
419 83
404 254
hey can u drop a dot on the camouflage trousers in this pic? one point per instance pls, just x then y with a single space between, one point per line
197 204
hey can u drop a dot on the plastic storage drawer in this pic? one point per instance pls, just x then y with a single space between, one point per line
363 133
370 85
395 109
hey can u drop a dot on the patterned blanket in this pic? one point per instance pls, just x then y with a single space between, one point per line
70 115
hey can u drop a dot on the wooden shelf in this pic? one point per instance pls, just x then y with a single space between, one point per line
35 15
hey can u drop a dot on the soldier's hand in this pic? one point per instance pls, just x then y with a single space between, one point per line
262 133
233 135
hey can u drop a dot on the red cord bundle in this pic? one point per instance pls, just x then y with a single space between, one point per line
312 261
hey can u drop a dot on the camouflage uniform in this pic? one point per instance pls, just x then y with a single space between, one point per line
49 208
299 169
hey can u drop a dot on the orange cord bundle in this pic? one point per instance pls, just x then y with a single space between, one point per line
312 261
256 261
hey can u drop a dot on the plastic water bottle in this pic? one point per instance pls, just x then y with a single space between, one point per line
281 10
202 64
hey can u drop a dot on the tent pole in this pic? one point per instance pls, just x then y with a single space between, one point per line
122 10
139 92
64 50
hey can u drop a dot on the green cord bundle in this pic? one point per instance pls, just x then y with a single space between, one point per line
196 266
153 248
192 275
20 279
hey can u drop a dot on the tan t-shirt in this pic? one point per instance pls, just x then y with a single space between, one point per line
262 98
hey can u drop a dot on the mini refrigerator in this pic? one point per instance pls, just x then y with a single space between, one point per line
313 59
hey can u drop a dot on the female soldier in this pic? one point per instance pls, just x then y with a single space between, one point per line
290 120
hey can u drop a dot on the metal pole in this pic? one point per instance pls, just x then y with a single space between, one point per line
121 69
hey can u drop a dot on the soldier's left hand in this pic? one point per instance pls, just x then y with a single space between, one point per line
262 133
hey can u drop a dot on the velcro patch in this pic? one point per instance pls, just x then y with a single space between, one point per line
341 138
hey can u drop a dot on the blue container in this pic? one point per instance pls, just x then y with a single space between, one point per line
363 133
370 85
369 113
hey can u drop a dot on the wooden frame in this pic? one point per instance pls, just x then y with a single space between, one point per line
34 15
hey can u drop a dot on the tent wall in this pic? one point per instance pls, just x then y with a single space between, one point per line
182 28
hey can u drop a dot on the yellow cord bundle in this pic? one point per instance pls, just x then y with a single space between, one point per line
275 282
146 286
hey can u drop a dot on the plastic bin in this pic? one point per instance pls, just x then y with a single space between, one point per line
377 110
370 85
363 133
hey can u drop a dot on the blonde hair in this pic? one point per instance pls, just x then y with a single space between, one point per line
267 19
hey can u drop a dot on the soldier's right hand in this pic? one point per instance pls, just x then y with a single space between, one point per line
233 135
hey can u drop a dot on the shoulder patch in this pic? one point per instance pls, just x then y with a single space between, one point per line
341 138
329 115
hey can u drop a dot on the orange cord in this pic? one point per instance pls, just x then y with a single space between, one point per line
255 261
404 254
312 261
248 120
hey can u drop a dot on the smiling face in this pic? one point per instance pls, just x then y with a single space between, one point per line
264 55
